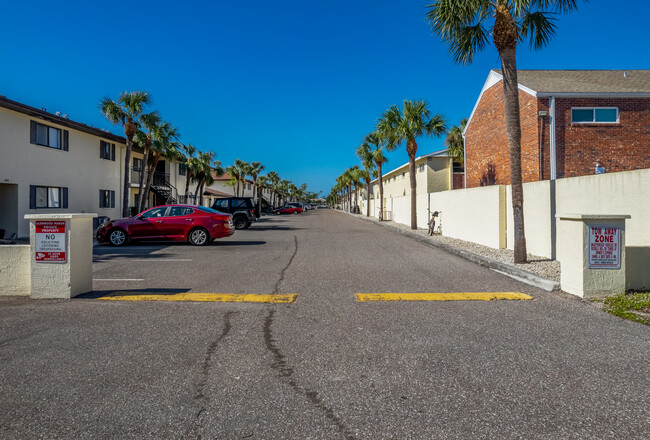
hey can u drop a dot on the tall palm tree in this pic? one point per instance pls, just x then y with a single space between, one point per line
376 143
405 127
454 141
243 170
466 26
164 144
148 124
262 182
190 167
233 171
365 153
356 174
255 169
126 110
206 166
274 179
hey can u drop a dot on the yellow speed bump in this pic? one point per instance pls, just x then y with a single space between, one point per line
204 297
457 296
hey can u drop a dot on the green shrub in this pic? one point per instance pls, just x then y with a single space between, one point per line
624 305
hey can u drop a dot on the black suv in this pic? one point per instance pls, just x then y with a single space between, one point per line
243 210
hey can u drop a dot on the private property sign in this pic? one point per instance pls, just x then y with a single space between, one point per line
50 241
604 247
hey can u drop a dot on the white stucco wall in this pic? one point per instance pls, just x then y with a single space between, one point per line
537 218
14 270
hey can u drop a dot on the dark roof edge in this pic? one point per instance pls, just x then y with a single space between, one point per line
34 112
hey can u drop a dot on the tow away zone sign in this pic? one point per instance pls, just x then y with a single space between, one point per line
604 247
50 241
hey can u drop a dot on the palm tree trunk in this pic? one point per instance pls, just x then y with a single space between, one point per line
150 173
381 192
127 177
187 185
513 131
141 186
412 149
197 195
368 197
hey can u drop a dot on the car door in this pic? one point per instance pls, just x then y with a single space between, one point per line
149 224
179 221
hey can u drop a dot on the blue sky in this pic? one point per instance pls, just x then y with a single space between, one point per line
292 84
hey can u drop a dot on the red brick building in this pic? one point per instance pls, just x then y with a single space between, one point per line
570 120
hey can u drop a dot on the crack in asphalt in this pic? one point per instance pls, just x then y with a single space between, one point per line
205 371
276 288
286 373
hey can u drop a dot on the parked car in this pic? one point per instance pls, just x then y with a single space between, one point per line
243 209
300 206
287 209
196 224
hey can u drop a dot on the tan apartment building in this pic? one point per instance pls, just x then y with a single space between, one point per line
53 164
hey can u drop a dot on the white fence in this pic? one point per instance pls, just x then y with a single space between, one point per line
484 215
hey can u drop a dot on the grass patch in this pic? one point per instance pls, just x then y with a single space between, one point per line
628 306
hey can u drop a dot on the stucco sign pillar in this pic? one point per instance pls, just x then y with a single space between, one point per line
591 250
61 255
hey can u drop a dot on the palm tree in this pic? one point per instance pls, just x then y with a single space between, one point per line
164 144
376 143
206 166
243 170
465 26
233 171
255 169
274 179
149 122
126 110
454 141
190 167
405 127
365 153
262 182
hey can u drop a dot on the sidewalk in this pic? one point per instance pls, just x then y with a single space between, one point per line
540 272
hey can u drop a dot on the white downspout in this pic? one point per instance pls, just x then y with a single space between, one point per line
551 140
464 163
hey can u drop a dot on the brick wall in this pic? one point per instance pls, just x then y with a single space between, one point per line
619 146
486 144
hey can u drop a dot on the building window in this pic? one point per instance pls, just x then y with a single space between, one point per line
459 167
106 198
48 197
47 136
106 150
137 164
421 167
586 115
182 169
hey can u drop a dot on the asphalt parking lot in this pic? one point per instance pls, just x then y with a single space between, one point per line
324 366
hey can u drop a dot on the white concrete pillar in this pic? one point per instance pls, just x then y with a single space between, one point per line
591 251
61 255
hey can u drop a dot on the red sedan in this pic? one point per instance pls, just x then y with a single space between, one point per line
196 224
287 209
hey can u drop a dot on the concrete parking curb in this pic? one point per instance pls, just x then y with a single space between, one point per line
519 274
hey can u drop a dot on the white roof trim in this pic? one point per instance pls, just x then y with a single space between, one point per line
594 95
439 153
493 78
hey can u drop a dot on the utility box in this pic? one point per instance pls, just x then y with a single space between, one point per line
61 255
591 251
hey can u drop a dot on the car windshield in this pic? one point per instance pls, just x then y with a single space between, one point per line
208 210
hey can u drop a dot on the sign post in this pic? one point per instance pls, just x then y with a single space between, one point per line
61 255
591 250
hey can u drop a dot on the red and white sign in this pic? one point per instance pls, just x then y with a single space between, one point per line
604 247
50 241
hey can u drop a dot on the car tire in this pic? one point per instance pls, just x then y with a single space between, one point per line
295 212
240 222
117 237
248 225
198 237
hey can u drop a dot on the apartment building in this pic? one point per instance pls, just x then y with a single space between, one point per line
53 164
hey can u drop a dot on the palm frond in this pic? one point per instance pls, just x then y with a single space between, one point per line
466 42
538 27
112 111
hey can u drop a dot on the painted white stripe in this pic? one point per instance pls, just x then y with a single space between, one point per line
118 279
158 260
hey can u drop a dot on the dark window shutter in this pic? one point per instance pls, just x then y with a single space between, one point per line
112 199
66 135
32 196
65 197
32 132
113 152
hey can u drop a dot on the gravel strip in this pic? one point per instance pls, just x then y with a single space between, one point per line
544 267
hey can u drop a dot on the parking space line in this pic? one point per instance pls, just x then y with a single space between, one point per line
204 297
453 296
118 279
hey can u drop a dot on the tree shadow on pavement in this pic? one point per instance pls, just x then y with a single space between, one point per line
130 292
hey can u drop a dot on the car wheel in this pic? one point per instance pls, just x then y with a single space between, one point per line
248 225
295 212
240 222
198 237
117 237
